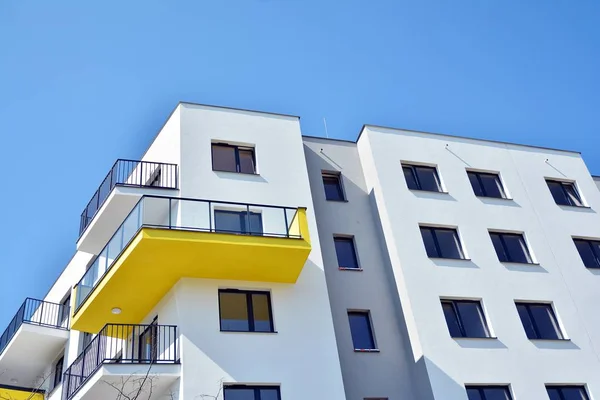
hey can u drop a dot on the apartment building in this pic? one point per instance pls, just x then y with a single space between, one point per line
241 260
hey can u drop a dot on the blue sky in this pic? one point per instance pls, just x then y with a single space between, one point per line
83 83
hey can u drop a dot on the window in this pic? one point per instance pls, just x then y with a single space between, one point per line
441 242
486 184
58 372
238 222
488 393
589 250
511 247
420 177
63 314
245 311
465 319
86 339
564 193
539 321
346 253
230 158
360 328
244 392
333 187
567 393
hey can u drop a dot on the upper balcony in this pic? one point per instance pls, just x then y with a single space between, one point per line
164 239
31 341
122 187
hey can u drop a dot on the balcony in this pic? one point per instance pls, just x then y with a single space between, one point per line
123 359
125 183
32 340
164 239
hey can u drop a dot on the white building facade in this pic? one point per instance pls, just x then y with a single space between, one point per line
241 260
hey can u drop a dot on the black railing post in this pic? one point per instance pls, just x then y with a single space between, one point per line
287 228
248 229
41 313
170 211
210 216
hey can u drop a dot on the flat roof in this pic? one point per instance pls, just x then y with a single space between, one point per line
234 108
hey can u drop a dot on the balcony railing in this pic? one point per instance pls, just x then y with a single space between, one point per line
130 173
191 215
36 312
122 344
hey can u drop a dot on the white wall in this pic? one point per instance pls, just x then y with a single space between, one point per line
560 277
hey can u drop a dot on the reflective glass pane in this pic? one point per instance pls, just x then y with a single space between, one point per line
499 247
472 319
558 193
546 323
234 311
360 327
473 394
496 393
477 189
346 255
574 393
572 195
586 251
429 242
239 394
448 242
269 394
223 158
516 248
333 188
411 180
492 185
451 320
428 179
261 312
247 161
526 320
553 393
228 221
255 219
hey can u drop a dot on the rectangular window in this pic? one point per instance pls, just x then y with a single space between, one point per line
346 253
245 392
511 247
58 372
564 193
333 187
441 242
589 250
361 330
488 393
247 223
420 177
539 321
567 392
63 314
486 184
465 319
229 158
245 311
86 339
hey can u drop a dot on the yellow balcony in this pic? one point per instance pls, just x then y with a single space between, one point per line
165 239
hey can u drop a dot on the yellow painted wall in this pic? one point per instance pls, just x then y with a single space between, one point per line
12 394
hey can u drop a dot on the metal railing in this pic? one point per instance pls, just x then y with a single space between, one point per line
131 173
192 215
36 312
122 344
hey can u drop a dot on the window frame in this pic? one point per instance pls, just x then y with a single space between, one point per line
236 149
244 216
415 176
433 229
459 320
478 175
481 390
510 259
249 310
562 184
340 185
367 315
561 387
347 239
58 376
256 389
589 242
534 324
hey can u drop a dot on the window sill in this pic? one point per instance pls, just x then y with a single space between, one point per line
251 332
445 258
366 350
495 198
349 269
550 340
570 207
476 338
428 191
237 173
520 263
337 201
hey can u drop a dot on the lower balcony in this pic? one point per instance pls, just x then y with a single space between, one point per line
123 360
165 239
31 342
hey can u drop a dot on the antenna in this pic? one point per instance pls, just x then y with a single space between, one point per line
326 132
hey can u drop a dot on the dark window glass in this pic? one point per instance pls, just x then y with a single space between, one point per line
86 339
238 222
488 393
251 393
421 178
465 318
346 253
245 311
230 158
486 184
589 250
567 393
564 193
511 247
333 187
539 321
63 315
441 242
58 372
360 327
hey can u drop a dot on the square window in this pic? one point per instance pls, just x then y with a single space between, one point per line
539 321
495 392
361 330
229 158
589 250
242 222
575 392
486 184
346 253
465 319
564 193
247 392
511 247
333 187
245 311
441 242
420 177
